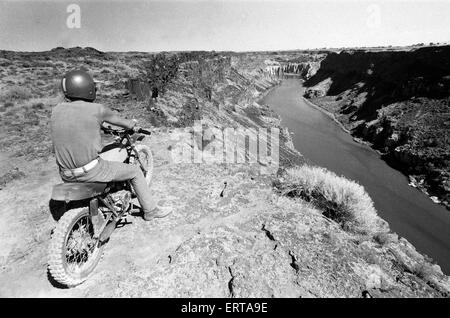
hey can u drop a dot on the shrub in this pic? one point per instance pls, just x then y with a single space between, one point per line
8 104
160 70
11 175
38 105
383 238
424 271
15 93
44 71
370 255
342 200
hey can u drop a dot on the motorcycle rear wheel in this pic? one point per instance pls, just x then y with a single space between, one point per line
73 251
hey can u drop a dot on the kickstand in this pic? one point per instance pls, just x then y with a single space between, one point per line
122 222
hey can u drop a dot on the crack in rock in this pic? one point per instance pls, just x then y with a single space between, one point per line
230 282
294 263
268 234
223 190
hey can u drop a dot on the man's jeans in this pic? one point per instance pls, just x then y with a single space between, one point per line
107 171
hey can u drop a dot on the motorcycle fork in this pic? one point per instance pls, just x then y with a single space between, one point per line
136 154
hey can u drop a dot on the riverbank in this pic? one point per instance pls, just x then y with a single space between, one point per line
398 103
413 182
340 124
289 155
319 140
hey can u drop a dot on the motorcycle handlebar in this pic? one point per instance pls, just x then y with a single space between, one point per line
144 132
112 131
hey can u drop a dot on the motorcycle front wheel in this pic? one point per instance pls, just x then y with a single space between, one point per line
73 251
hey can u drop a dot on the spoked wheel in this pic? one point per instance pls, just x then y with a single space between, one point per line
73 251
146 157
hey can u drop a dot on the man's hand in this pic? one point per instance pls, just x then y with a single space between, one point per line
137 128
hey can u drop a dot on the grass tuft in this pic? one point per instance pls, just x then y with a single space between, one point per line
424 271
342 200
14 174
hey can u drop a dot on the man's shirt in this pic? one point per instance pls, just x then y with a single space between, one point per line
75 130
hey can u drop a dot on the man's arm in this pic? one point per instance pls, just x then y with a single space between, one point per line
112 117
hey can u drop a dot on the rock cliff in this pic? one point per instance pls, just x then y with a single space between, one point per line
304 65
398 102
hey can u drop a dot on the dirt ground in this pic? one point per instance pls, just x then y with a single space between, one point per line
192 190
247 242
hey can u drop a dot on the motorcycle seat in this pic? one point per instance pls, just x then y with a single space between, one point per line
77 190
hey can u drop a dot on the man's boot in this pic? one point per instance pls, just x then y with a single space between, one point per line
158 212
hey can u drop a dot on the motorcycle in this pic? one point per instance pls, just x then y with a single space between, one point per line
78 241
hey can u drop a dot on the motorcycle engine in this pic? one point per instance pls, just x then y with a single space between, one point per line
121 199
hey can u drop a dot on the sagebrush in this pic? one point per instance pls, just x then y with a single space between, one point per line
341 199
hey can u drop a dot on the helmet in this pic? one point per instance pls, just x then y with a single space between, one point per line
78 84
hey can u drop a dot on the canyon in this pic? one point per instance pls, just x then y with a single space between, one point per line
398 102
233 234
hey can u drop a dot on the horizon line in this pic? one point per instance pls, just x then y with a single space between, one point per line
420 44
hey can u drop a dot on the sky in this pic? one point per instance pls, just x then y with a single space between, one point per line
221 25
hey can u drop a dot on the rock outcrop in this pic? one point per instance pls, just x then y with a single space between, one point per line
303 65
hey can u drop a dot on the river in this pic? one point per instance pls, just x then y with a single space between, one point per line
316 136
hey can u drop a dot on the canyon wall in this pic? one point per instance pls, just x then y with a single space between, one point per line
301 64
396 101
304 70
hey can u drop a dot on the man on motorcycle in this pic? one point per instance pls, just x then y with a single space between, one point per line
75 130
